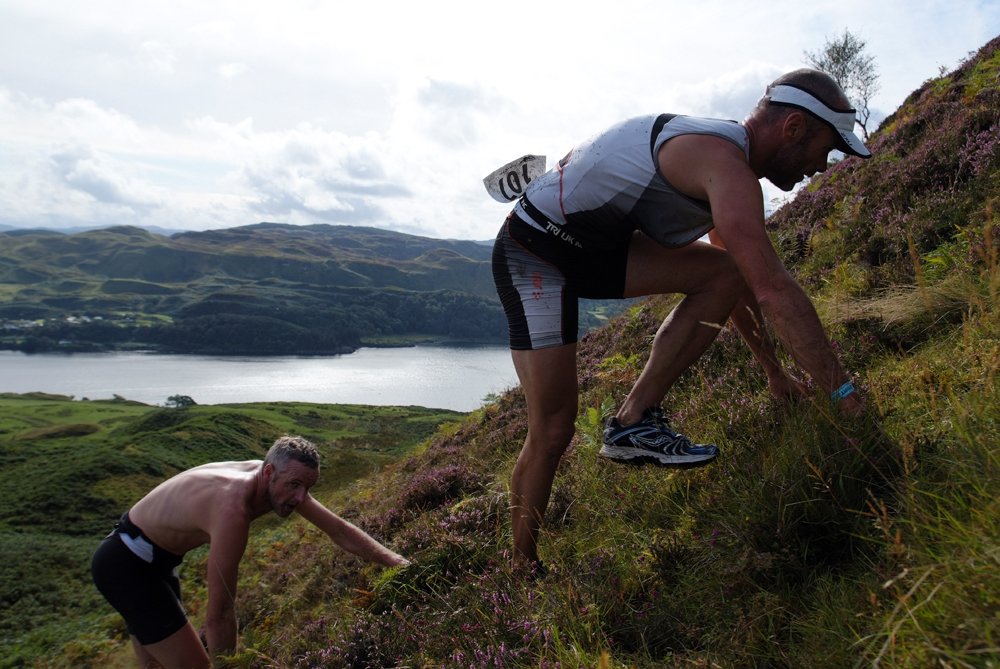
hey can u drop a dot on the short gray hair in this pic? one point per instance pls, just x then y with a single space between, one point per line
817 83
292 448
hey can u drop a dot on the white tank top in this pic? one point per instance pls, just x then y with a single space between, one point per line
611 185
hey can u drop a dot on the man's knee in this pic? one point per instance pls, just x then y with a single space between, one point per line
725 276
550 438
723 284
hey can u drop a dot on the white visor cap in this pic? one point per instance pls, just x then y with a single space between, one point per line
842 122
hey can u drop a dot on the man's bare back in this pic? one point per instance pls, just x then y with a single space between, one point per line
211 504
178 515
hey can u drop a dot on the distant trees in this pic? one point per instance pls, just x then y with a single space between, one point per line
250 334
180 401
844 59
311 321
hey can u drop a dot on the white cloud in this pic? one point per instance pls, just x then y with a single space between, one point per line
309 174
157 56
81 119
102 177
232 70
201 115
732 94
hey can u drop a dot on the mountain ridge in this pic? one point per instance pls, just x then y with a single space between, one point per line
334 286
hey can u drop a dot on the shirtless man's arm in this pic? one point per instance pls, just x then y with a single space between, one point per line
348 536
210 504
229 531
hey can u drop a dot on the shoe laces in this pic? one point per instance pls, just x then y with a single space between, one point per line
659 417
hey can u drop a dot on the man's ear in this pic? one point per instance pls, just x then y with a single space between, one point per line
794 126
267 471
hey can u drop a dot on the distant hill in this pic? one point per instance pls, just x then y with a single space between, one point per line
264 288
75 229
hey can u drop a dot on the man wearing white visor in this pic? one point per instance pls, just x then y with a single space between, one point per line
621 216
841 121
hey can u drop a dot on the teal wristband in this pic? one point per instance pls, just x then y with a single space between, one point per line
842 392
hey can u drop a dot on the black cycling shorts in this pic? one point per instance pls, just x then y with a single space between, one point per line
539 278
146 594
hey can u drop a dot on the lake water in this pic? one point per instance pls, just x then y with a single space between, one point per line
442 377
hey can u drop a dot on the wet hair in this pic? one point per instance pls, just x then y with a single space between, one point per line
817 83
288 448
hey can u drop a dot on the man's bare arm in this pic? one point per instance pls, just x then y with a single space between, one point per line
738 213
348 536
228 542
749 322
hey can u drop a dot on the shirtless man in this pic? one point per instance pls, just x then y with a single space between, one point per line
135 565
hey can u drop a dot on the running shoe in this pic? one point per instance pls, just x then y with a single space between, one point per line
651 440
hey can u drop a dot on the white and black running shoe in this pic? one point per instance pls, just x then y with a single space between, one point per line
651 440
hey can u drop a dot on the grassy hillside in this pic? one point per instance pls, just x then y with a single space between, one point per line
814 541
68 469
319 254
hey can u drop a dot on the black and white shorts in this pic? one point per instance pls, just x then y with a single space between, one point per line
540 276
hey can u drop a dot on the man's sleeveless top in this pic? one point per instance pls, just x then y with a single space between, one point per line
611 185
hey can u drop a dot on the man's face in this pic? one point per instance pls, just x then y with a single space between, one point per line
288 487
797 160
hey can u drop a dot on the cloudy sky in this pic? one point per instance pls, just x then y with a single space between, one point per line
210 114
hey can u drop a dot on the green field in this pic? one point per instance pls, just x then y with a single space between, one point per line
69 468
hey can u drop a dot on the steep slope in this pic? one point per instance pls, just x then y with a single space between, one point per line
68 469
814 541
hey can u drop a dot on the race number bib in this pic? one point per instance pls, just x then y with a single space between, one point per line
508 183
